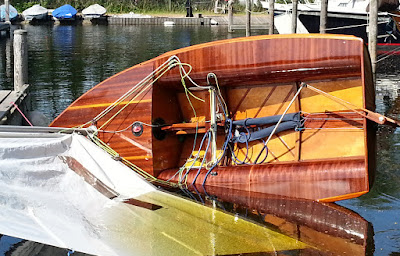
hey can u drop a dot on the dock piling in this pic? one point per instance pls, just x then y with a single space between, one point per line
248 18
271 11
7 4
373 32
230 16
294 16
20 59
324 16
8 53
13 103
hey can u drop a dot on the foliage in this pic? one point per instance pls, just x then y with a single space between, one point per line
120 6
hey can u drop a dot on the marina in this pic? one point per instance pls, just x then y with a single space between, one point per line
67 61
13 103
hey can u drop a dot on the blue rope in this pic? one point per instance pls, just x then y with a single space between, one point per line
266 154
204 158
198 194
247 147
70 252
196 157
187 193
223 151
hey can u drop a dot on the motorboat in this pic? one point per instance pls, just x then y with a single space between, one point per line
35 12
13 13
65 12
344 17
94 11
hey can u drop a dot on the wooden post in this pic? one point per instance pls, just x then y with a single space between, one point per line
248 18
230 16
7 4
169 5
20 59
323 17
216 6
9 53
373 32
271 11
294 16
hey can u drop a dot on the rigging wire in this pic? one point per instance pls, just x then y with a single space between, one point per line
184 71
388 54
135 91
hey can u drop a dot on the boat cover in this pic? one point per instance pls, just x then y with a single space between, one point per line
35 10
13 12
64 12
94 10
46 198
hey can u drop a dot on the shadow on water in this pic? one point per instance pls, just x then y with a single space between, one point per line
66 61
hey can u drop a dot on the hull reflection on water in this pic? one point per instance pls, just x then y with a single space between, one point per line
328 227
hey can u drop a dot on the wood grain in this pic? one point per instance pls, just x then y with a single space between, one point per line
332 159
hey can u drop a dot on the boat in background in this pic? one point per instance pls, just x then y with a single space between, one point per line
284 115
13 13
35 12
65 12
345 17
94 11
338 8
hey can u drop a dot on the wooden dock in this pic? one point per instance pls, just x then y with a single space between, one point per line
9 100
115 20
253 27
258 21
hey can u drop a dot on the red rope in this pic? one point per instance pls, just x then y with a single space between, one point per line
22 114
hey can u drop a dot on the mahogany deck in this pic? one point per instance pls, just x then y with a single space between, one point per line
331 159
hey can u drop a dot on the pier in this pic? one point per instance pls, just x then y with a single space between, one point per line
13 102
115 20
239 21
10 102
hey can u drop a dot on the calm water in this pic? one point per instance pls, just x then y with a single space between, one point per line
66 61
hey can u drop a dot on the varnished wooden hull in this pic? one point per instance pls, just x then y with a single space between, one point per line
332 229
332 159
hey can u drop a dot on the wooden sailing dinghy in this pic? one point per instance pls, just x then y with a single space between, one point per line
281 115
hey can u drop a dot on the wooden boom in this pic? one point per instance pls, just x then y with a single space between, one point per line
329 156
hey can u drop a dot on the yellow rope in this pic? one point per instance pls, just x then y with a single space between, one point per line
160 71
135 92
134 167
